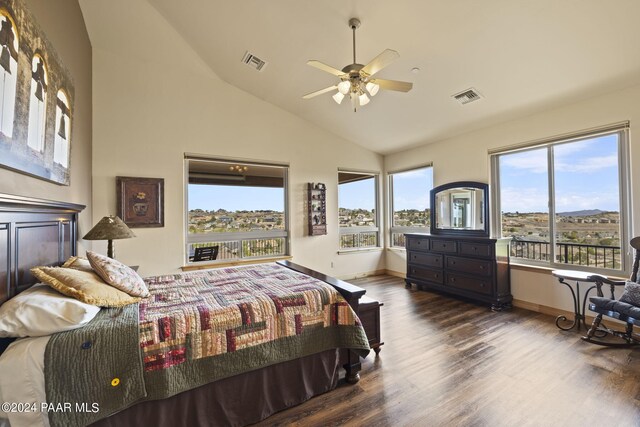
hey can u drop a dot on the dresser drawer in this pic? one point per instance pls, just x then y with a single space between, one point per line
476 249
417 244
445 246
469 265
425 274
428 260
481 286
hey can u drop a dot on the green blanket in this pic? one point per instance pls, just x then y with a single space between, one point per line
95 371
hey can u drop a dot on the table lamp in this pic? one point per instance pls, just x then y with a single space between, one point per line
109 228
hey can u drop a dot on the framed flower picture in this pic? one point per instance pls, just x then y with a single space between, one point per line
140 201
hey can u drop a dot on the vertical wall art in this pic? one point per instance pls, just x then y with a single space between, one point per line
36 98
140 201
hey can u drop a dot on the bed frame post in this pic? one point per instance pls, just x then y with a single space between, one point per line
352 295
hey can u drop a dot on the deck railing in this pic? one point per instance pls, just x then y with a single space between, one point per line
358 239
602 256
243 246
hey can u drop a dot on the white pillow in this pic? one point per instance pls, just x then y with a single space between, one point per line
41 310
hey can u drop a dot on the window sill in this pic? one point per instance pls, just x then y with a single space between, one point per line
358 251
544 269
194 267
397 249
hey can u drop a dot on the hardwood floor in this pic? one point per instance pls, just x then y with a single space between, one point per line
446 362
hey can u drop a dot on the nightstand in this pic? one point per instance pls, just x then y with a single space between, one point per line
369 314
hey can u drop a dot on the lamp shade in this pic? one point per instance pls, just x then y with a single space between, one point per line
109 228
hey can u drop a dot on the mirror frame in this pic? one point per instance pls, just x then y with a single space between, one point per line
453 232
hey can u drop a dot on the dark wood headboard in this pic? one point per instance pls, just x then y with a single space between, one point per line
33 232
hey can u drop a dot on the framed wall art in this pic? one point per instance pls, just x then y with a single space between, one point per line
36 99
140 201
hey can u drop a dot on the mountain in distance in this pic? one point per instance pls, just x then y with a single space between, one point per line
585 212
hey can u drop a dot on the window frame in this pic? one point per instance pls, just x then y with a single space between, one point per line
361 229
401 229
624 168
241 236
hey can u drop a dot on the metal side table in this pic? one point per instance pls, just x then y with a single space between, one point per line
566 277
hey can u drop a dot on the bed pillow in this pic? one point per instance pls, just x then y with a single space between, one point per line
85 286
631 294
78 263
40 311
118 275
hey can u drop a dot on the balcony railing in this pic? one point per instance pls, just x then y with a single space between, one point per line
234 246
569 253
398 240
352 239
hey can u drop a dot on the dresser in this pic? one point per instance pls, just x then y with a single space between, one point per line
475 268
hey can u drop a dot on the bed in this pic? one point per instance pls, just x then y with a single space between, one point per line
38 232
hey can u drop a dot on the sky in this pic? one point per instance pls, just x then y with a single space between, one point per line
235 198
586 177
411 190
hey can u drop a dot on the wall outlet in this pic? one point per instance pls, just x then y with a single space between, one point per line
331 264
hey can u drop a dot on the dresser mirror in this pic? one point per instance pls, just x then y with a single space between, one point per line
460 208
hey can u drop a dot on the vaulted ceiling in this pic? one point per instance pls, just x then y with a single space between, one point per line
522 56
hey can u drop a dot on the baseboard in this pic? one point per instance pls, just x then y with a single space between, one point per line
538 308
551 311
395 274
361 275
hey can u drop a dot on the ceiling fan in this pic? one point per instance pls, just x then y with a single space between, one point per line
357 79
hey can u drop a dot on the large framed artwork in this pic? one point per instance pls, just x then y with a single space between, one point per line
36 98
140 201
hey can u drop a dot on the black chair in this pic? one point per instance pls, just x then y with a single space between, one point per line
624 311
206 253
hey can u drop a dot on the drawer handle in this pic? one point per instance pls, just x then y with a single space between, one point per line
437 276
453 280
453 263
444 245
475 249
482 285
482 267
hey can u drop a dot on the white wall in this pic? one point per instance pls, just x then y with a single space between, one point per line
64 27
465 157
154 100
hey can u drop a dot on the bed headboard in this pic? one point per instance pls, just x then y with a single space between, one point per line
33 232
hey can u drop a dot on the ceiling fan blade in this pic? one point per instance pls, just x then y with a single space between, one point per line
393 85
324 67
380 61
319 92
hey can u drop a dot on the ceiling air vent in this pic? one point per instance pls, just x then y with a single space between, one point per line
467 96
253 61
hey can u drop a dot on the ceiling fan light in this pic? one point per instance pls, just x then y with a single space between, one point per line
338 97
364 99
373 88
344 87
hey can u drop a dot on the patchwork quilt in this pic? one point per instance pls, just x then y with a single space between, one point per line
196 328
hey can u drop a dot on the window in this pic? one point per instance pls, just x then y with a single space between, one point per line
239 207
409 203
63 127
9 71
358 210
564 201
37 104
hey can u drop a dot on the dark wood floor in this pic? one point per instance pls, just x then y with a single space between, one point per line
450 363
